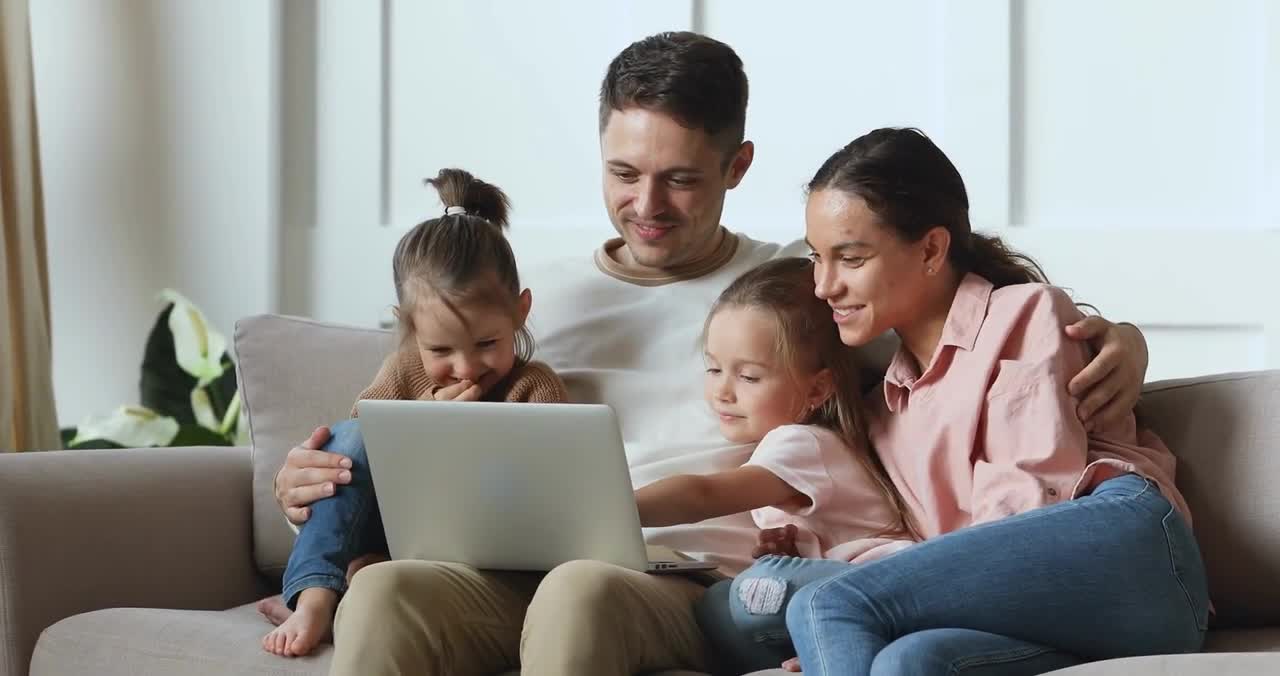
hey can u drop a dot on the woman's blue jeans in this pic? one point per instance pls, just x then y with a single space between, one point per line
1112 574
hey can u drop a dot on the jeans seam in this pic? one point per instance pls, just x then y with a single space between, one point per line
1173 569
958 666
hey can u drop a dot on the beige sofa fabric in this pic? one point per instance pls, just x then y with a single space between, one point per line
83 530
295 375
1225 431
151 642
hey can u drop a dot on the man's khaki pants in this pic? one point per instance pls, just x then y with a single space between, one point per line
585 618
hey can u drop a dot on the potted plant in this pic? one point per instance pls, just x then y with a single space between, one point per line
187 391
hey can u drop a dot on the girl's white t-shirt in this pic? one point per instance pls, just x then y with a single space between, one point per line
845 516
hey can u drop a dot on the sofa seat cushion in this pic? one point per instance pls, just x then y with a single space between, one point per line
1229 659
155 642
1204 664
147 642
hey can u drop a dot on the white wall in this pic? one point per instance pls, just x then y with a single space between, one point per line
1133 147
158 172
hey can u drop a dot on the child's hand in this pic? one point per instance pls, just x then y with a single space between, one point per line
361 562
463 390
781 541
792 665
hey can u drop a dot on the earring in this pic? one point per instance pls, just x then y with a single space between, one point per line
929 270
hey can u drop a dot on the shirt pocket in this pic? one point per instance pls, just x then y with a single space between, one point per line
1014 377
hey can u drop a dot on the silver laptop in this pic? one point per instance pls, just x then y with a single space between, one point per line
505 486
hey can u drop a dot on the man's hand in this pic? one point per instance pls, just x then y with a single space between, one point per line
361 562
309 474
463 390
1109 386
781 541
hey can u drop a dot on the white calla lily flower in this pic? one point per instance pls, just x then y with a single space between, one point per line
198 347
129 426
203 409
232 416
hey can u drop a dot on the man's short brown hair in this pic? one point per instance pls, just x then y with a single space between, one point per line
695 79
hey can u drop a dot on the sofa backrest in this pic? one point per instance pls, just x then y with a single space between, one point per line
1225 430
297 374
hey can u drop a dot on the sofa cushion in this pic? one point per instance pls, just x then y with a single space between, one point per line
1217 664
295 375
1225 430
147 642
142 642
153 642
1230 644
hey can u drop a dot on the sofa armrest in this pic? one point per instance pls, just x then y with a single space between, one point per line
86 530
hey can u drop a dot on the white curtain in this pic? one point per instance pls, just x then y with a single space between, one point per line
28 419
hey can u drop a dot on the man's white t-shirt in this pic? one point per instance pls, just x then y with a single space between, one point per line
634 344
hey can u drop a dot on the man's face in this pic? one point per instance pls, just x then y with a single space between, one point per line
664 187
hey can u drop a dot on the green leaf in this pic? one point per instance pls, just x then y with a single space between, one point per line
195 435
67 434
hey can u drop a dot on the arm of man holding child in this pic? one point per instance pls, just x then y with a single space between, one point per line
1034 446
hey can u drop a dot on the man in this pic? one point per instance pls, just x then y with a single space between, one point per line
621 327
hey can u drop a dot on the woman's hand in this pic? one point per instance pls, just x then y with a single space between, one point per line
780 541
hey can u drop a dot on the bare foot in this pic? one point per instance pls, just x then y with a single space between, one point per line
311 623
274 609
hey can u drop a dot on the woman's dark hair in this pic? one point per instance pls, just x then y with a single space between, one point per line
912 187
461 257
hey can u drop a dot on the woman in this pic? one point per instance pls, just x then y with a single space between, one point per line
1045 543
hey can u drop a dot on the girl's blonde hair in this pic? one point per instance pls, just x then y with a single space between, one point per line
807 342
462 257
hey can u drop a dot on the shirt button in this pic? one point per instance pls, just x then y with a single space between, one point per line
1053 492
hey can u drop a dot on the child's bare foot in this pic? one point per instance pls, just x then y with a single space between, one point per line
274 609
311 623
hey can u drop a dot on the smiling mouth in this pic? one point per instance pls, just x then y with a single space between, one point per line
652 231
841 315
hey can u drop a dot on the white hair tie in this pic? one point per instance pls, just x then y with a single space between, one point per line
455 211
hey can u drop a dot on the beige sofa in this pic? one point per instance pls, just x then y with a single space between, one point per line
142 562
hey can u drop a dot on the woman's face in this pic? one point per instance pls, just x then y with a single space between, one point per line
872 280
